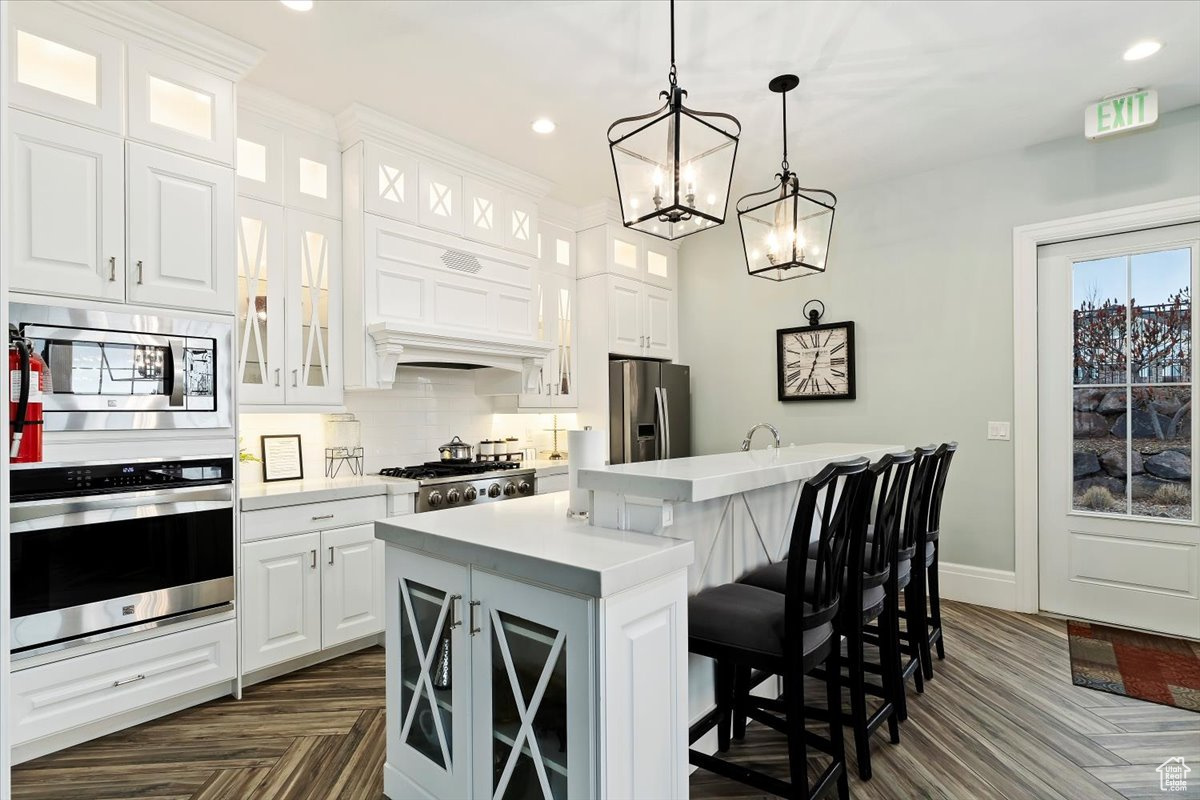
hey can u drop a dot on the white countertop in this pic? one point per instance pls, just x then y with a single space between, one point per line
257 496
532 539
544 466
704 477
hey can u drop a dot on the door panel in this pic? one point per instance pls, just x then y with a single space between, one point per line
533 671
1118 541
351 595
282 596
675 382
314 309
658 321
625 317
181 231
428 672
68 231
260 318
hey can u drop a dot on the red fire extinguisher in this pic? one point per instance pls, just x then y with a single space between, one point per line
26 374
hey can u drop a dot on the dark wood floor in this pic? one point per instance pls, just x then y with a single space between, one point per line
1000 720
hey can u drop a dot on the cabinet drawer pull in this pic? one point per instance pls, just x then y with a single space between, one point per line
112 268
124 681
322 516
455 621
139 266
314 559
331 556
474 628
276 376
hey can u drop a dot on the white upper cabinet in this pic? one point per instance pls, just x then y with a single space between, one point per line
259 158
522 228
615 250
625 314
63 68
180 107
389 181
181 215
260 302
439 198
658 322
486 212
68 223
661 264
313 309
312 174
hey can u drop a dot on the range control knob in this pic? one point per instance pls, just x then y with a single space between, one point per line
510 489
435 498
524 487
453 496
470 494
494 490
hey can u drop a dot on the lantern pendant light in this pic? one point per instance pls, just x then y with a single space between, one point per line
786 229
674 166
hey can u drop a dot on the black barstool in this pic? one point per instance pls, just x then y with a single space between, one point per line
788 634
867 574
933 529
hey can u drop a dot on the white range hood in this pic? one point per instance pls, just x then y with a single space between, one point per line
396 346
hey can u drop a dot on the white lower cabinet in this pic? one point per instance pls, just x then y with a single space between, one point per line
281 600
66 694
490 684
307 592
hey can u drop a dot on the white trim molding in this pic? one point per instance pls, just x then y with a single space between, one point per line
1026 240
980 586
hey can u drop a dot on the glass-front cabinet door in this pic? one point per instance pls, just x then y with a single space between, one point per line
314 309
260 323
533 672
429 674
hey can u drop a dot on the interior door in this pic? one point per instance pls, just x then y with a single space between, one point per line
282 597
533 671
351 587
68 223
1118 535
181 231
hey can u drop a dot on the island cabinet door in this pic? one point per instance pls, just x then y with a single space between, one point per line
533 689
428 673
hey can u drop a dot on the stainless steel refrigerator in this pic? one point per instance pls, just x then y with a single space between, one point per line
649 410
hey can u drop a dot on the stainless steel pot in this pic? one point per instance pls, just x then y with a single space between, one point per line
455 449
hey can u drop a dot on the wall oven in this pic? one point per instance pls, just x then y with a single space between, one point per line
107 370
105 549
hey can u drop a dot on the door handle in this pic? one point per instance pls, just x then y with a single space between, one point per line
660 421
112 268
314 559
124 681
276 376
455 621
474 628
178 368
139 266
331 556
295 377
666 410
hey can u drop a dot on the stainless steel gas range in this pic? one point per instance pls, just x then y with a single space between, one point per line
450 484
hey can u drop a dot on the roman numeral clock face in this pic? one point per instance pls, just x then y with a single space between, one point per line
816 362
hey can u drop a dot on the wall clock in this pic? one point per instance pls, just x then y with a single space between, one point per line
816 361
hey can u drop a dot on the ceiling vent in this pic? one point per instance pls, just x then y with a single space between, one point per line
460 261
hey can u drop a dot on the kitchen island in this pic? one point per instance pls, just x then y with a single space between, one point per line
529 654
737 508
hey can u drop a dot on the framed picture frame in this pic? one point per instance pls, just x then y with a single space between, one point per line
282 459
816 362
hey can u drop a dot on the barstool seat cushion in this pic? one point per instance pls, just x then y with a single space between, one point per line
774 577
748 618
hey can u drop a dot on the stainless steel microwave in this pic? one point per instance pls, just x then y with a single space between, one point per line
108 370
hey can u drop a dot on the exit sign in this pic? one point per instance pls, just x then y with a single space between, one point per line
1125 112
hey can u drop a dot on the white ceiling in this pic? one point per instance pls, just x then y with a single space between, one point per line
887 89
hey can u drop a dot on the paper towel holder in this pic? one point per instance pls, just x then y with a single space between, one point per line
572 514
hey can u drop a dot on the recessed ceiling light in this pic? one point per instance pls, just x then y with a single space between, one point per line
298 5
1142 50
543 125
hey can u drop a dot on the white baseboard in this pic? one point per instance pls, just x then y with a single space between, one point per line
979 586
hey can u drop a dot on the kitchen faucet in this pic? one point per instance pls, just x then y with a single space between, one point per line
750 435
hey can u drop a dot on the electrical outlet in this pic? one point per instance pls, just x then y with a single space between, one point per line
668 514
999 431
